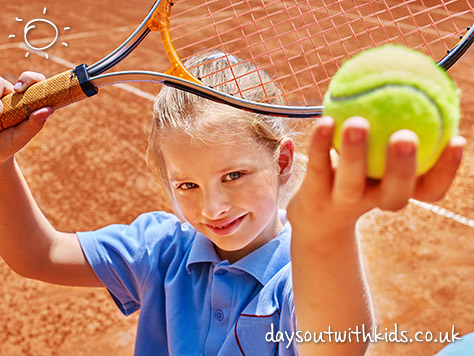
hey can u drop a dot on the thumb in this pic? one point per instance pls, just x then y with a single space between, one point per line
15 138
32 126
39 117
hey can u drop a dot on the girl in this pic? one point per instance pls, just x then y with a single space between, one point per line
228 273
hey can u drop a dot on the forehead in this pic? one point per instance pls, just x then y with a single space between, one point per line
183 153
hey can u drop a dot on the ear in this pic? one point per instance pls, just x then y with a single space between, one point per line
285 159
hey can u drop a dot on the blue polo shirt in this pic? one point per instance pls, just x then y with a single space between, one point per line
191 302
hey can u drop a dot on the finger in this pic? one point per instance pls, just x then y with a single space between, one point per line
26 79
398 182
434 184
5 87
351 172
41 114
15 138
319 169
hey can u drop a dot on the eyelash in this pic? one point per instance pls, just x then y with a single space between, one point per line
186 186
229 174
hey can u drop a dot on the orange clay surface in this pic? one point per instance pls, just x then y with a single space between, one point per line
87 169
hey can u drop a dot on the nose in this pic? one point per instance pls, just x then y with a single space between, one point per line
215 203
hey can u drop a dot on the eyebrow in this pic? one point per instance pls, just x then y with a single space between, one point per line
177 178
242 165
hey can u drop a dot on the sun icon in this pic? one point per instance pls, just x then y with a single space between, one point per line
31 44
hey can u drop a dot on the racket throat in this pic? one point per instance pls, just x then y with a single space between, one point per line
159 21
84 80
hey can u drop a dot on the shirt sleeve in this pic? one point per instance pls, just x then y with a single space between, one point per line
123 256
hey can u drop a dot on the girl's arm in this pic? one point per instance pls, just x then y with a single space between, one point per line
28 242
329 284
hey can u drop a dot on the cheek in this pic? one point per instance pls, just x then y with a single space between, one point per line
185 205
264 191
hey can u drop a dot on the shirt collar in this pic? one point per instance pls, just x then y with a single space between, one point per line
262 263
267 260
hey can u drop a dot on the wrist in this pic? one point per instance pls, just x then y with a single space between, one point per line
324 233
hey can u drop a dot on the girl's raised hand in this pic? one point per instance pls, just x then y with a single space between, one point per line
15 138
341 195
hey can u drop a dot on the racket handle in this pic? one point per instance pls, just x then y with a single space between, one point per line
56 92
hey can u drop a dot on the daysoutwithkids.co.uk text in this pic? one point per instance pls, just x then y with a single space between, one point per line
360 334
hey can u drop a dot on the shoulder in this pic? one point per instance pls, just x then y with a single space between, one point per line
155 237
148 227
163 231
128 258
159 225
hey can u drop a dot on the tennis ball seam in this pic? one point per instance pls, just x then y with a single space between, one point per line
390 85
405 86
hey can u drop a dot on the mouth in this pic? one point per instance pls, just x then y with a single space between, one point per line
226 227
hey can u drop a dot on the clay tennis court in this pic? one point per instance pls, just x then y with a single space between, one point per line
87 169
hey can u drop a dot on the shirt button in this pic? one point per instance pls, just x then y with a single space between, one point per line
219 315
221 272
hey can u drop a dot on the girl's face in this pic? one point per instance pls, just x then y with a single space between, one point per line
227 189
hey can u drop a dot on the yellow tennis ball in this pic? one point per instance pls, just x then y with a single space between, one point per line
395 88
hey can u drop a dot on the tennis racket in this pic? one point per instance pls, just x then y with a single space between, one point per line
300 43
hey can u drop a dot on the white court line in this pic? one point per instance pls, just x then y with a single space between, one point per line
70 65
136 91
443 212
53 58
10 46
70 37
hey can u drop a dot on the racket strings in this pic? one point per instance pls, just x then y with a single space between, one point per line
248 44
302 43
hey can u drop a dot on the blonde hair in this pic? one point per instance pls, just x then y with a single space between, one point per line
179 110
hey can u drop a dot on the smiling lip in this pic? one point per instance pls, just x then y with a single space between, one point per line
226 227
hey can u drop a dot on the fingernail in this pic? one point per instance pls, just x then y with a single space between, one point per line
458 153
325 127
43 114
324 132
356 135
458 142
18 86
406 149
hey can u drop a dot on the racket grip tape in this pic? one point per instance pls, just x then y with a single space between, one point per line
56 92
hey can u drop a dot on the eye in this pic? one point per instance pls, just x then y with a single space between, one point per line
233 176
186 186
